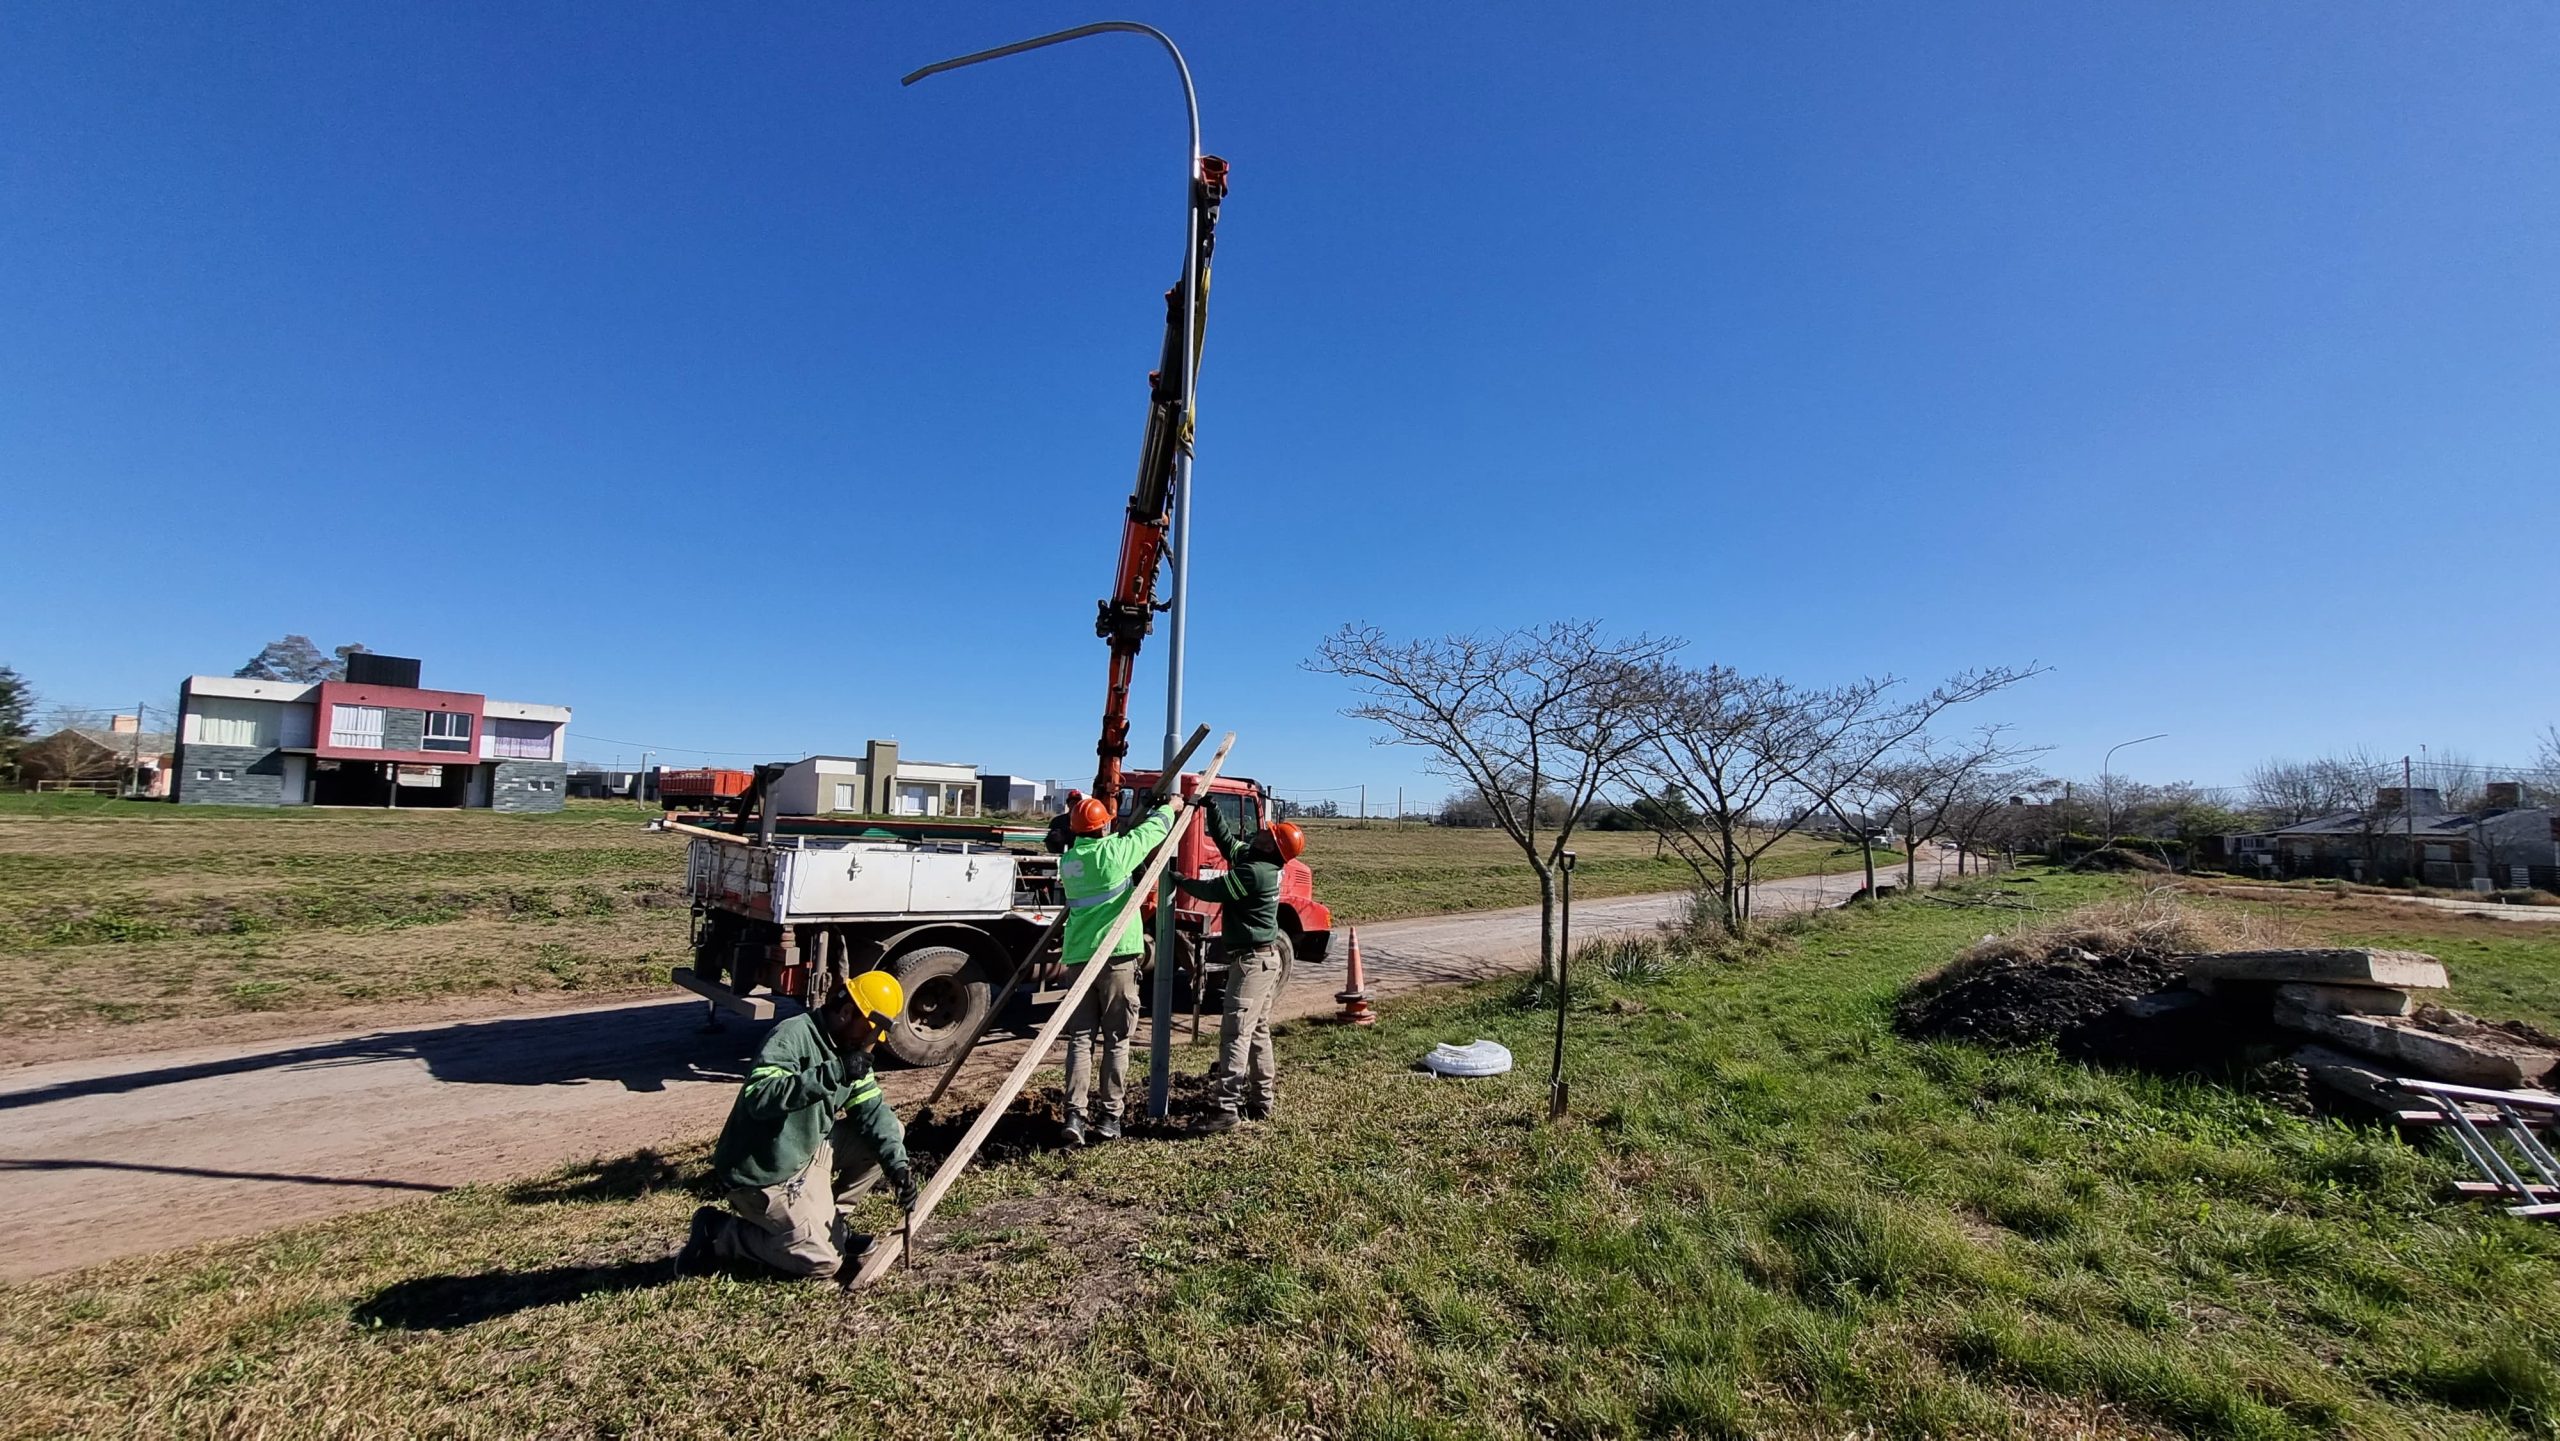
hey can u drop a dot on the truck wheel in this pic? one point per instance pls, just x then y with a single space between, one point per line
947 999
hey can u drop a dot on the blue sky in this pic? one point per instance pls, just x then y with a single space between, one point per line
674 364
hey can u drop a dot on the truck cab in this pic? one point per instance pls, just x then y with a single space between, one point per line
1244 807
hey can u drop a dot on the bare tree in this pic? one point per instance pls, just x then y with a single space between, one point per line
1718 747
1739 755
1871 724
1518 717
2000 810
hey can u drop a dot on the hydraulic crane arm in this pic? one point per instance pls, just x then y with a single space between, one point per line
1127 615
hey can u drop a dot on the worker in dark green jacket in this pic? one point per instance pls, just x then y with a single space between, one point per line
812 1087
1096 871
1257 957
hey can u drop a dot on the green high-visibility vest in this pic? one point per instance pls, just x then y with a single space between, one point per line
1096 873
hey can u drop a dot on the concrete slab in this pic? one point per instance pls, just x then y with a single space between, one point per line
2346 1000
2485 1059
2405 970
2351 1076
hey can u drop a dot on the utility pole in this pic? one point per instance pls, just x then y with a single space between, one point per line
133 771
1160 1037
2409 816
1364 802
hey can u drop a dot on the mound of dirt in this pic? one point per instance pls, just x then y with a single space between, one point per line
2117 858
2029 1001
2066 980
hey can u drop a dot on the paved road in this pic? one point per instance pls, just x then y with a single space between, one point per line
104 1158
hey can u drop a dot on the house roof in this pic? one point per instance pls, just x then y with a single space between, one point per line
151 743
2354 823
244 688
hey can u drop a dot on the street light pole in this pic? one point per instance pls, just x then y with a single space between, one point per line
1160 1041
2107 782
1564 959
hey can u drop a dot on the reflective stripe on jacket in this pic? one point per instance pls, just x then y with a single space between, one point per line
1095 872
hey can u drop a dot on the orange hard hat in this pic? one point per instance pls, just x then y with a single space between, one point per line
1288 840
1090 817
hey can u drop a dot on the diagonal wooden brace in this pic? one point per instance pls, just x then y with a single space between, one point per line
886 1251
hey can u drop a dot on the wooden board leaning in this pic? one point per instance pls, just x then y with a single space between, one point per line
886 1251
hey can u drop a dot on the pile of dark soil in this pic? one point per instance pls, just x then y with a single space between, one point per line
2117 858
2067 982
2030 1001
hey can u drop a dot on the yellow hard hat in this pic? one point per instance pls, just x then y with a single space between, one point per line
879 995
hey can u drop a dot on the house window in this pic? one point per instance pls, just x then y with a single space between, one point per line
446 730
222 775
356 727
960 800
844 797
521 740
225 721
204 775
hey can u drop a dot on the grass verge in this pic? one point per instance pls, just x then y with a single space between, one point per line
114 911
1766 1216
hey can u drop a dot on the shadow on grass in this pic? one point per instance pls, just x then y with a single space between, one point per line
449 1303
620 1178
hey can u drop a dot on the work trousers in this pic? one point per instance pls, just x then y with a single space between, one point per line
1106 1017
1246 1070
795 1228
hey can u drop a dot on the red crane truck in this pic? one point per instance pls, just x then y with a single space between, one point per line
955 909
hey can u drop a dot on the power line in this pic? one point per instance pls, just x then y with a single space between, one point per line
656 746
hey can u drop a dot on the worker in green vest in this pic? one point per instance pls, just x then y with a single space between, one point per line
812 1087
1096 872
1257 955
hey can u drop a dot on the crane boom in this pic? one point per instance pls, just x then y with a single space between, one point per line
1128 614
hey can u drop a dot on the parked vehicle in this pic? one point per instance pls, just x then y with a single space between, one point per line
949 907
699 789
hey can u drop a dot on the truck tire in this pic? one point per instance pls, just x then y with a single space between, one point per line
947 1000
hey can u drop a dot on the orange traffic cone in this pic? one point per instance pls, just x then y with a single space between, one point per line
1354 994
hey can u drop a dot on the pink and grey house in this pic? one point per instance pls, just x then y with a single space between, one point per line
376 739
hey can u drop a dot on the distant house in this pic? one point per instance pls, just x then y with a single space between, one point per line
1020 795
373 739
122 759
879 783
2409 834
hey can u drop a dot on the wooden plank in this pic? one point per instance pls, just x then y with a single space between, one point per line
754 1008
995 1008
2530 1100
1031 958
680 828
2492 1188
886 1250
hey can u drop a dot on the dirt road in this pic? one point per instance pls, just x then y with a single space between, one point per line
131 1154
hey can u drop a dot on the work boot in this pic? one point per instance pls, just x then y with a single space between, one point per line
1220 1122
696 1259
1109 1130
1262 1111
1073 1131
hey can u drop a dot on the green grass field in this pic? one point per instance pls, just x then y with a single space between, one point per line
116 911
1768 1215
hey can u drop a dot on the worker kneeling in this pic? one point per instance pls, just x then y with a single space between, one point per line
1096 871
1257 957
812 1087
